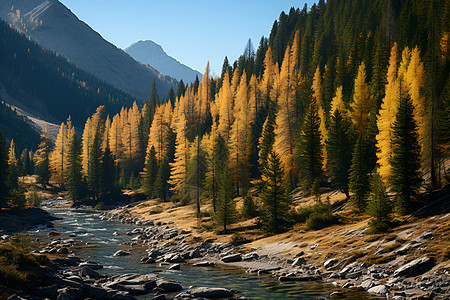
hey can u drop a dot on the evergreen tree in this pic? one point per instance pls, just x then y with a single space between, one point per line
154 98
181 89
379 206
196 172
74 169
171 96
275 200
217 162
150 170
42 157
94 169
311 153
339 144
161 187
405 160
107 182
4 172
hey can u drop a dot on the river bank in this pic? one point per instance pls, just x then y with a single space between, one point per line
15 220
407 263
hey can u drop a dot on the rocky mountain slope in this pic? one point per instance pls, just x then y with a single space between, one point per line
55 27
150 53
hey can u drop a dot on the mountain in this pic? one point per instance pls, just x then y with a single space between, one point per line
45 84
55 27
150 53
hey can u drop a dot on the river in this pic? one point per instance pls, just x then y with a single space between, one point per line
99 244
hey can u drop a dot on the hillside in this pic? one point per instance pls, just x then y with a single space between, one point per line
41 82
56 28
150 53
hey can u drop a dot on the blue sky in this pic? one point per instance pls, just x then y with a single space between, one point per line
191 31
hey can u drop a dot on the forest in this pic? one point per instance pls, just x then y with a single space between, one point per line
342 95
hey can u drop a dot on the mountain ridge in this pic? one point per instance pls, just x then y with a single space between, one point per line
151 53
55 27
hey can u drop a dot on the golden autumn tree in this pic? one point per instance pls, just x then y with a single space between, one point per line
267 78
286 118
130 134
225 105
318 96
159 134
58 157
386 117
359 170
178 168
240 139
94 124
415 82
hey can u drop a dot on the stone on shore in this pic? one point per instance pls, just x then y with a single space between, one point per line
121 253
232 258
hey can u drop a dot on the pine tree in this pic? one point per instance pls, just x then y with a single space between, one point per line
94 168
217 162
405 160
74 183
150 170
196 173
379 206
42 157
275 200
311 153
339 144
4 172
224 205
161 187
107 182
318 96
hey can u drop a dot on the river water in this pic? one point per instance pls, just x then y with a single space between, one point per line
99 245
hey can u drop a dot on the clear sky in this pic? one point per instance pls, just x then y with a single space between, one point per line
192 31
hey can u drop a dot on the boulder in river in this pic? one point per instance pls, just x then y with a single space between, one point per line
121 253
232 258
206 293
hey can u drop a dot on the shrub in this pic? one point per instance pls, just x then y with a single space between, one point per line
100 206
238 239
249 209
318 221
303 214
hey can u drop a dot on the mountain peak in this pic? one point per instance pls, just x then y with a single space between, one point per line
150 53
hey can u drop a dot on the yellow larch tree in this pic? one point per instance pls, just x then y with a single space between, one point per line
240 139
415 82
58 157
253 97
159 134
235 82
12 157
105 140
115 138
225 105
318 96
267 78
93 125
361 102
286 119
338 102
386 117
178 168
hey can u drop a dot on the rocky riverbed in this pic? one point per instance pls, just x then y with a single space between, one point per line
396 279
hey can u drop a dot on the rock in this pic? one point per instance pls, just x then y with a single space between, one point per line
294 278
348 268
15 297
415 267
298 262
347 285
92 265
90 291
210 293
53 233
330 263
45 292
250 256
380 290
405 248
232 258
314 246
63 250
85 271
122 296
64 296
426 235
121 253
73 293
336 295
160 297
175 267
367 284
204 264
301 253
168 286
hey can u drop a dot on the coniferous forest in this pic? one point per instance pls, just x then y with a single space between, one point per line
345 95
